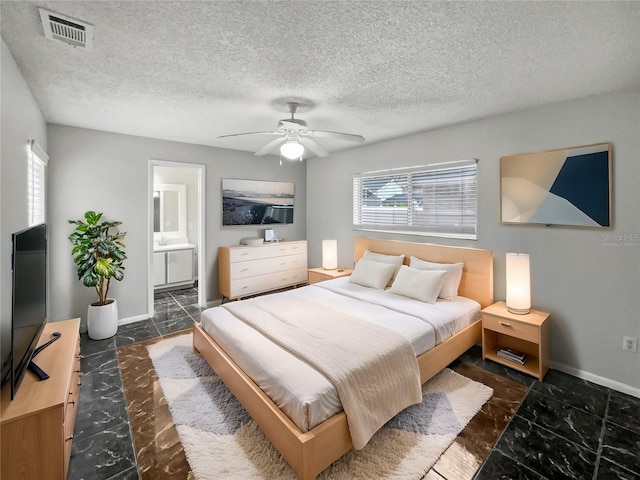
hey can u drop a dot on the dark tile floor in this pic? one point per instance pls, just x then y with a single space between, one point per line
565 428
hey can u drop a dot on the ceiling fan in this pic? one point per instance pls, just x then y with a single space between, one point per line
294 137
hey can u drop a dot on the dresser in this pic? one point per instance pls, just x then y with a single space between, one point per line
37 425
249 269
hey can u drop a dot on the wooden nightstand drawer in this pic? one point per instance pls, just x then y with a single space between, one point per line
320 274
510 327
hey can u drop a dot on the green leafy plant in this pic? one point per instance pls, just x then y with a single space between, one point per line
98 253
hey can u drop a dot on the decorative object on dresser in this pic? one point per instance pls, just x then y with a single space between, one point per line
98 253
565 187
320 274
518 283
520 341
250 269
37 426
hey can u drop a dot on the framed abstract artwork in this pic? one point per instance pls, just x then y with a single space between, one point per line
567 186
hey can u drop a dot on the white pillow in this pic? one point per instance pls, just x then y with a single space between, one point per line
372 274
395 260
452 279
422 285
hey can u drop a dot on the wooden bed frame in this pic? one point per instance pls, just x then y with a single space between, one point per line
309 453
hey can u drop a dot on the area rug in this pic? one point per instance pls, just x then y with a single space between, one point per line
222 442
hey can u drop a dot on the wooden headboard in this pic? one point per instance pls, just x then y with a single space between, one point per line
477 274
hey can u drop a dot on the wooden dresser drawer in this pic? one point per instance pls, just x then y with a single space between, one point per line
262 283
512 328
242 254
267 265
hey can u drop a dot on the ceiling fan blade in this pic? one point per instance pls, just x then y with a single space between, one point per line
250 133
314 147
343 136
268 148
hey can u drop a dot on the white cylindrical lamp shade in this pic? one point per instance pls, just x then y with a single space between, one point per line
518 283
329 254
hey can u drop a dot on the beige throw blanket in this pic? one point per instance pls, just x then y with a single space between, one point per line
373 369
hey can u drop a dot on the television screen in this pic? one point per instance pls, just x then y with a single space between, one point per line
29 300
256 202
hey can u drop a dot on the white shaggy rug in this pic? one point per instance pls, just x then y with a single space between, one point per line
221 441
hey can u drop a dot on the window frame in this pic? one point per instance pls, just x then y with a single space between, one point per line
37 161
410 179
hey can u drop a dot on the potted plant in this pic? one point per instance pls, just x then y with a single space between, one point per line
98 253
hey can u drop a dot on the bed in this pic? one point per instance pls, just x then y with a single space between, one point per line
310 448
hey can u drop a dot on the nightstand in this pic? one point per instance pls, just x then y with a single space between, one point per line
320 274
528 334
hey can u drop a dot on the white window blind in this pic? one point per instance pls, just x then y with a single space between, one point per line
435 200
37 181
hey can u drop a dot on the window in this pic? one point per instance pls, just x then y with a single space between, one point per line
438 200
36 183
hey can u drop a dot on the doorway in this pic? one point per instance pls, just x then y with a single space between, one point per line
176 228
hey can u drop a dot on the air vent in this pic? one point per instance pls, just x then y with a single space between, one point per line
66 29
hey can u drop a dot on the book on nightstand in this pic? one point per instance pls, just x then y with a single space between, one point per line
513 355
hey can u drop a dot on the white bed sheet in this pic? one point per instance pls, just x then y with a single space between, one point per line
301 392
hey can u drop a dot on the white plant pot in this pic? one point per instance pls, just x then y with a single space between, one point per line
102 320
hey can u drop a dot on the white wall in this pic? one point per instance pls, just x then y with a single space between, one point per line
107 172
591 290
21 121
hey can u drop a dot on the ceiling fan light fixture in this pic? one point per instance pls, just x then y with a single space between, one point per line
291 150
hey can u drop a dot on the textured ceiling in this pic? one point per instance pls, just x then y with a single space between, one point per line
191 71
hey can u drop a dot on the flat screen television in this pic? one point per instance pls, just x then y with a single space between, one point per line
256 202
29 298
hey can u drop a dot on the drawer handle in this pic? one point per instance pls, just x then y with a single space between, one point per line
245 287
504 324
71 437
244 269
245 253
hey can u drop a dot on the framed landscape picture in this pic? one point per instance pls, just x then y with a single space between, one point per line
256 202
568 186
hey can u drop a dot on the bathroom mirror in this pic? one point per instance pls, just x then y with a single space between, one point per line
170 209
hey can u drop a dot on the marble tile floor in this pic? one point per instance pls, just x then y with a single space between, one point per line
561 428
102 444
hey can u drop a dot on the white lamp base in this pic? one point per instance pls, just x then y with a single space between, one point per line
518 311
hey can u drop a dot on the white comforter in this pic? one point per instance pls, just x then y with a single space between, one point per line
373 368
298 389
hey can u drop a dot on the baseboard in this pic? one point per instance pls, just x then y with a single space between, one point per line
590 377
137 318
